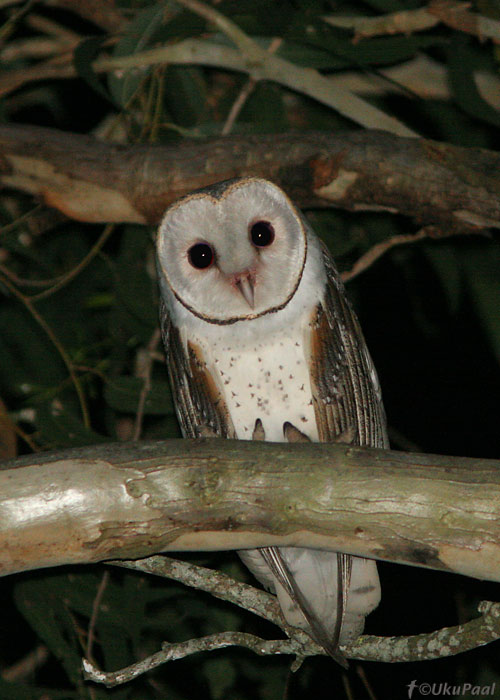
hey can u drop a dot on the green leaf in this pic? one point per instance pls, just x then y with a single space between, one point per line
308 56
185 94
386 6
380 51
446 263
462 62
134 315
60 427
124 84
46 611
123 394
18 691
481 264
221 676
265 110
83 56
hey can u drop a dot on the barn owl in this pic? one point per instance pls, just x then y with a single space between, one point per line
262 343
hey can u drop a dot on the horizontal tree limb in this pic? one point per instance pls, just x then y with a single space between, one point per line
455 189
127 501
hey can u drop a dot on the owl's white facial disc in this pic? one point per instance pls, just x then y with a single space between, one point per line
235 254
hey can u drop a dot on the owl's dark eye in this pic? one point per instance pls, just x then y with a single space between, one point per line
261 234
201 255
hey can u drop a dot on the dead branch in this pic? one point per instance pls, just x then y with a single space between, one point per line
452 14
455 189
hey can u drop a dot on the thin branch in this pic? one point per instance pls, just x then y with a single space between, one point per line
401 22
423 76
452 14
64 279
53 28
264 66
477 632
458 17
245 93
103 13
249 58
95 613
214 582
55 342
173 652
145 359
27 665
368 258
440 644
35 47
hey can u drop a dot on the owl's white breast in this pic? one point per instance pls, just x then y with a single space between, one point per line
265 378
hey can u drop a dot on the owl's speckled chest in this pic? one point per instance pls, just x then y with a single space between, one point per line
266 379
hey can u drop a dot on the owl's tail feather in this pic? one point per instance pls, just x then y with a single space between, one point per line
273 558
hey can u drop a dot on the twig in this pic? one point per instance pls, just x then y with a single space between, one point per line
216 583
422 76
55 341
452 14
103 13
444 642
35 47
172 652
401 22
368 258
27 665
369 690
458 17
52 28
15 18
245 93
255 61
145 361
95 612
75 271
264 66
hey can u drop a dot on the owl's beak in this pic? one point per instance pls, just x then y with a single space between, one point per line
244 283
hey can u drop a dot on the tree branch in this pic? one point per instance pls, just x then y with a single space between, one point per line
453 14
131 500
455 189
439 644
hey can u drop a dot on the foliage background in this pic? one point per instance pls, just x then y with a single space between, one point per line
84 297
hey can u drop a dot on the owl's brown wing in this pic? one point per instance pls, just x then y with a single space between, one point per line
346 396
201 410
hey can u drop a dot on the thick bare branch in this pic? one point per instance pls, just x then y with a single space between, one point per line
132 500
455 189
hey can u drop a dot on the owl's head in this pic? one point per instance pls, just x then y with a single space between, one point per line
233 251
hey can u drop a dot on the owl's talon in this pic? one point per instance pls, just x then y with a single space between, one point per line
346 437
293 434
258 432
204 431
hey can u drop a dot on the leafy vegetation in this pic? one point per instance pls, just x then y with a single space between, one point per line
80 357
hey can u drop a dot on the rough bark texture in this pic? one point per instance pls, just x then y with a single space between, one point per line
132 500
455 189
